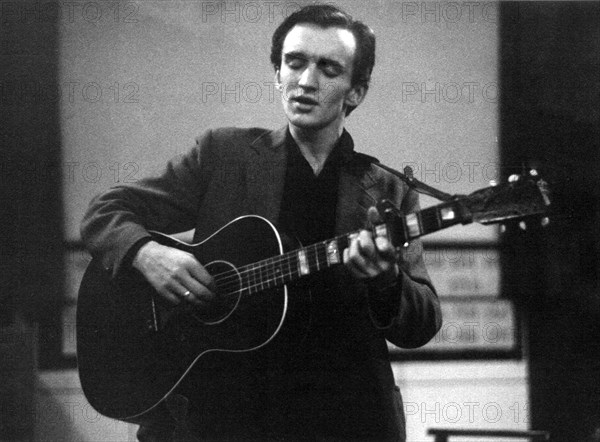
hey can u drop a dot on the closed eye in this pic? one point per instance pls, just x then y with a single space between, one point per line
294 61
331 69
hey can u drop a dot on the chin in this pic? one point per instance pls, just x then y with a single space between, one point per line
305 121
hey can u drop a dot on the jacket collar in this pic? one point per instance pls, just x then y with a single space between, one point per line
270 140
266 176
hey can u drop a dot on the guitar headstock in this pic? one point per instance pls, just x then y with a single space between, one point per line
521 197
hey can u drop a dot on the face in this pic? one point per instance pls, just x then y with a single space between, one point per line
315 76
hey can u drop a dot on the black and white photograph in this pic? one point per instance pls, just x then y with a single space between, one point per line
300 221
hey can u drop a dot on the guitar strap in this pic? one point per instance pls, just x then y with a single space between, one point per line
415 184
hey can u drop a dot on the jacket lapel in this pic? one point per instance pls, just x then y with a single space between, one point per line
265 174
356 194
266 177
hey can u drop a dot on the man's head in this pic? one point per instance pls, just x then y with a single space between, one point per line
353 41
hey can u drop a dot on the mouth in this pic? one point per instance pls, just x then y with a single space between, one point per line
304 99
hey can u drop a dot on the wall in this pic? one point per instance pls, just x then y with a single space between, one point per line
138 86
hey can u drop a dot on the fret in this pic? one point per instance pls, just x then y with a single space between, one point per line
245 281
257 274
270 279
274 273
261 278
279 272
252 278
288 274
256 269
315 252
311 258
321 255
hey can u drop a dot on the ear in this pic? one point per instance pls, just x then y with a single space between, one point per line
356 95
278 84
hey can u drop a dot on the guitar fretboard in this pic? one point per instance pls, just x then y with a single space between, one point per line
288 267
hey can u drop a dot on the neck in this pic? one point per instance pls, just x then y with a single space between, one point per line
316 145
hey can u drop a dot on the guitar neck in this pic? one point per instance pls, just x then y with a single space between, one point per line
290 266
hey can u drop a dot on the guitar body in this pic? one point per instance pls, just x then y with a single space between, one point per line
133 350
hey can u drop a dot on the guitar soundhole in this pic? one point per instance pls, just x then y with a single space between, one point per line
229 284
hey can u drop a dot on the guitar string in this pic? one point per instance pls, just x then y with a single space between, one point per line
286 258
271 268
268 261
260 286
256 270
233 275
271 274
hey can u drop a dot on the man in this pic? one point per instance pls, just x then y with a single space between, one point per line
337 384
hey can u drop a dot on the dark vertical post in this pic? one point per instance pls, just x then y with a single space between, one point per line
549 118
30 205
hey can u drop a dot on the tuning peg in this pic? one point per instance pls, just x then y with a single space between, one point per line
514 178
523 225
545 221
493 183
502 228
533 172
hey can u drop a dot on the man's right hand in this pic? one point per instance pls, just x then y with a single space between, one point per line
176 275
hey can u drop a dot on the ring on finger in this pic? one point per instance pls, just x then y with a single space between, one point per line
187 293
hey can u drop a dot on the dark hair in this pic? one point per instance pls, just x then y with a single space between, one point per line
327 16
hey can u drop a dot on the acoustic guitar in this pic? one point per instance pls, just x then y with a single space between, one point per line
133 350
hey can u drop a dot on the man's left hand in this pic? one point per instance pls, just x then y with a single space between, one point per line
369 257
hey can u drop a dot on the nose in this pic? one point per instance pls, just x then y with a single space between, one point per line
309 77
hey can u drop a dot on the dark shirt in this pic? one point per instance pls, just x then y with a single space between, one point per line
308 203
308 215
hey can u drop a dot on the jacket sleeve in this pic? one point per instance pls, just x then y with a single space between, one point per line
120 218
407 309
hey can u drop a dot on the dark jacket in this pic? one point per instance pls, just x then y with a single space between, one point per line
341 384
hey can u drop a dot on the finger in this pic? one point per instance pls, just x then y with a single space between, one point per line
356 262
170 295
385 249
378 253
373 216
183 293
350 258
199 273
199 294
366 247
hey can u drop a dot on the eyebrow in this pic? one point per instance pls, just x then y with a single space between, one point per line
299 54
